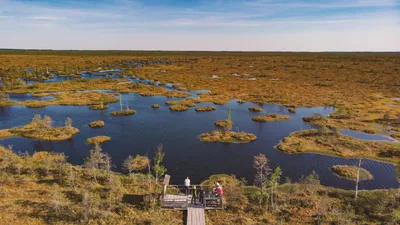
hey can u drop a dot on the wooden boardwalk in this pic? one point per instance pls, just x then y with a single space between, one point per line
195 216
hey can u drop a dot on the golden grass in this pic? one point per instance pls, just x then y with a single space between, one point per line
220 102
38 130
35 104
97 140
176 94
350 172
178 108
255 109
40 94
223 123
5 133
270 117
125 112
228 136
96 124
292 110
140 162
330 143
205 109
355 83
186 102
98 107
155 106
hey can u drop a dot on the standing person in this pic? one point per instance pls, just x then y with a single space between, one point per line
194 194
187 185
219 190
201 196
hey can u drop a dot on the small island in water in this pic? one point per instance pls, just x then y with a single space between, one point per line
350 172
42 129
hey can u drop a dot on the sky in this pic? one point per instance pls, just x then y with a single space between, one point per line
209 25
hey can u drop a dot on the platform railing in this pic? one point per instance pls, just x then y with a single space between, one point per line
211 199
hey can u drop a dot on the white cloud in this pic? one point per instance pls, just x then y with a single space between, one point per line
51 18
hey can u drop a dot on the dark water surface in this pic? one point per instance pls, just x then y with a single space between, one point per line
186 155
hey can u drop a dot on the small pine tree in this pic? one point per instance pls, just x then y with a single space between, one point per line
47 121
127 165
261 164
274 182
36 118
68 122
158 169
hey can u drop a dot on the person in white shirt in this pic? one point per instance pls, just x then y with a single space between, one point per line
187 185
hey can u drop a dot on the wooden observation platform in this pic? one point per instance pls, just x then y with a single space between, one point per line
174 198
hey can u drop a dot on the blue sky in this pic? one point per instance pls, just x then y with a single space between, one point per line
231 25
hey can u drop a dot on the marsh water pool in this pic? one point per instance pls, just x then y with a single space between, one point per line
179 132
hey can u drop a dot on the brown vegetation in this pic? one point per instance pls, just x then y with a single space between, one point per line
178 108
228 136
270 117
125 112
205 109
42 129
96 124
97 140
223 123
327 142
255 109
350 172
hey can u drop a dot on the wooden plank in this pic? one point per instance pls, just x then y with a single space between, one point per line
195 216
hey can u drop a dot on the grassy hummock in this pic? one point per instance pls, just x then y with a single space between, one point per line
178 108
228 136
155 106
350 172
40 94
292 110
187 103
220 102
97 140
255 109
41 129
125 112
223 123
96 124
270 117
328 142
140 162
98 107
205 109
